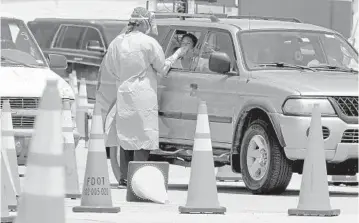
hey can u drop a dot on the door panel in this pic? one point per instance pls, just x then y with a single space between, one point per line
170 103
220 92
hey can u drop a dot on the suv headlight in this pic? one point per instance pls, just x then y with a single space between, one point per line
304 106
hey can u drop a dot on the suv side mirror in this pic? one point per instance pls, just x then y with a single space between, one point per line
219 62
57 61
94 45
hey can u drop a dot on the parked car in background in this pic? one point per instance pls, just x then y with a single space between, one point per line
82 41
260 78
23 74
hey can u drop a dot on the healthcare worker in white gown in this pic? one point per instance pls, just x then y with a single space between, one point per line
128 74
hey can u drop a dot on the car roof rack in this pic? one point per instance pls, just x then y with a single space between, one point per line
265 18
183 16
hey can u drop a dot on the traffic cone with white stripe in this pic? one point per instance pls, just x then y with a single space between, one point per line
10 191
74 86
8 143
314 197
73 82
5 215
202 194
96 190
71 174
81 111
42 197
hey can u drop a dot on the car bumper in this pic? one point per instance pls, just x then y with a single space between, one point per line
340 143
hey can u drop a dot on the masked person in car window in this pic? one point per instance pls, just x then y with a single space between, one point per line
134 61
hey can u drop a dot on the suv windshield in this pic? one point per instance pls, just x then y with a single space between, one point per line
301 48
18 46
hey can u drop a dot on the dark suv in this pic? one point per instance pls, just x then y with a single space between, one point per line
82 41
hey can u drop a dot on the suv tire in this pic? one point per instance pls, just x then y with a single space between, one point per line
278 172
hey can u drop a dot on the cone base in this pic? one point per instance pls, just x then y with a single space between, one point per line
73 196
12 208
325 213
8 219
235 179
94 209
192 210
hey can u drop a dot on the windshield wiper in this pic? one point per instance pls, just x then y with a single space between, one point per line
3 58
334 68
282 64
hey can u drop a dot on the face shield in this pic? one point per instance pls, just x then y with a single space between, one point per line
141 15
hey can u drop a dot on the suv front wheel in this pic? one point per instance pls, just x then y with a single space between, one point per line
264 166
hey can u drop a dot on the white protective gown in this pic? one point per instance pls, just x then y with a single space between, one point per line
134 62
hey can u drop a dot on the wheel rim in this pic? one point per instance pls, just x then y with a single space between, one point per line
257 157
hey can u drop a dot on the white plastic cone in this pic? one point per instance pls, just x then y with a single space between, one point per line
8 143
149 183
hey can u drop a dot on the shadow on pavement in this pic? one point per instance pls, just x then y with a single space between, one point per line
230 189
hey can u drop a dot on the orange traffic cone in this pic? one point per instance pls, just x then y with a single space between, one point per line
73 82
5 215
225 173
314 193
82 109
202 190
71 174
42 198
96 191
8 143
10 191
74 86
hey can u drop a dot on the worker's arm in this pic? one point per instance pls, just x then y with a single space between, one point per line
159 63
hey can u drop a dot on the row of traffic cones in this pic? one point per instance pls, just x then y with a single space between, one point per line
46 163
49 155
314 193
80 108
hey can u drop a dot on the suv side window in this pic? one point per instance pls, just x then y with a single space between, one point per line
70 37
216 41
175 43
91 34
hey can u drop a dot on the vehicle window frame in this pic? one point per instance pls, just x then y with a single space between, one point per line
172 32
82 43
214 30
62 30
245 65
29 32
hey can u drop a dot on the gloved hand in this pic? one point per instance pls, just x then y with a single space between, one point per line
182 51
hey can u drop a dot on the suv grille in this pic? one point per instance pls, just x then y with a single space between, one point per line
19 103
23 122
22 103
348 105
350 136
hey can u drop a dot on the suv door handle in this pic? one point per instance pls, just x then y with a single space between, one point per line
194 86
